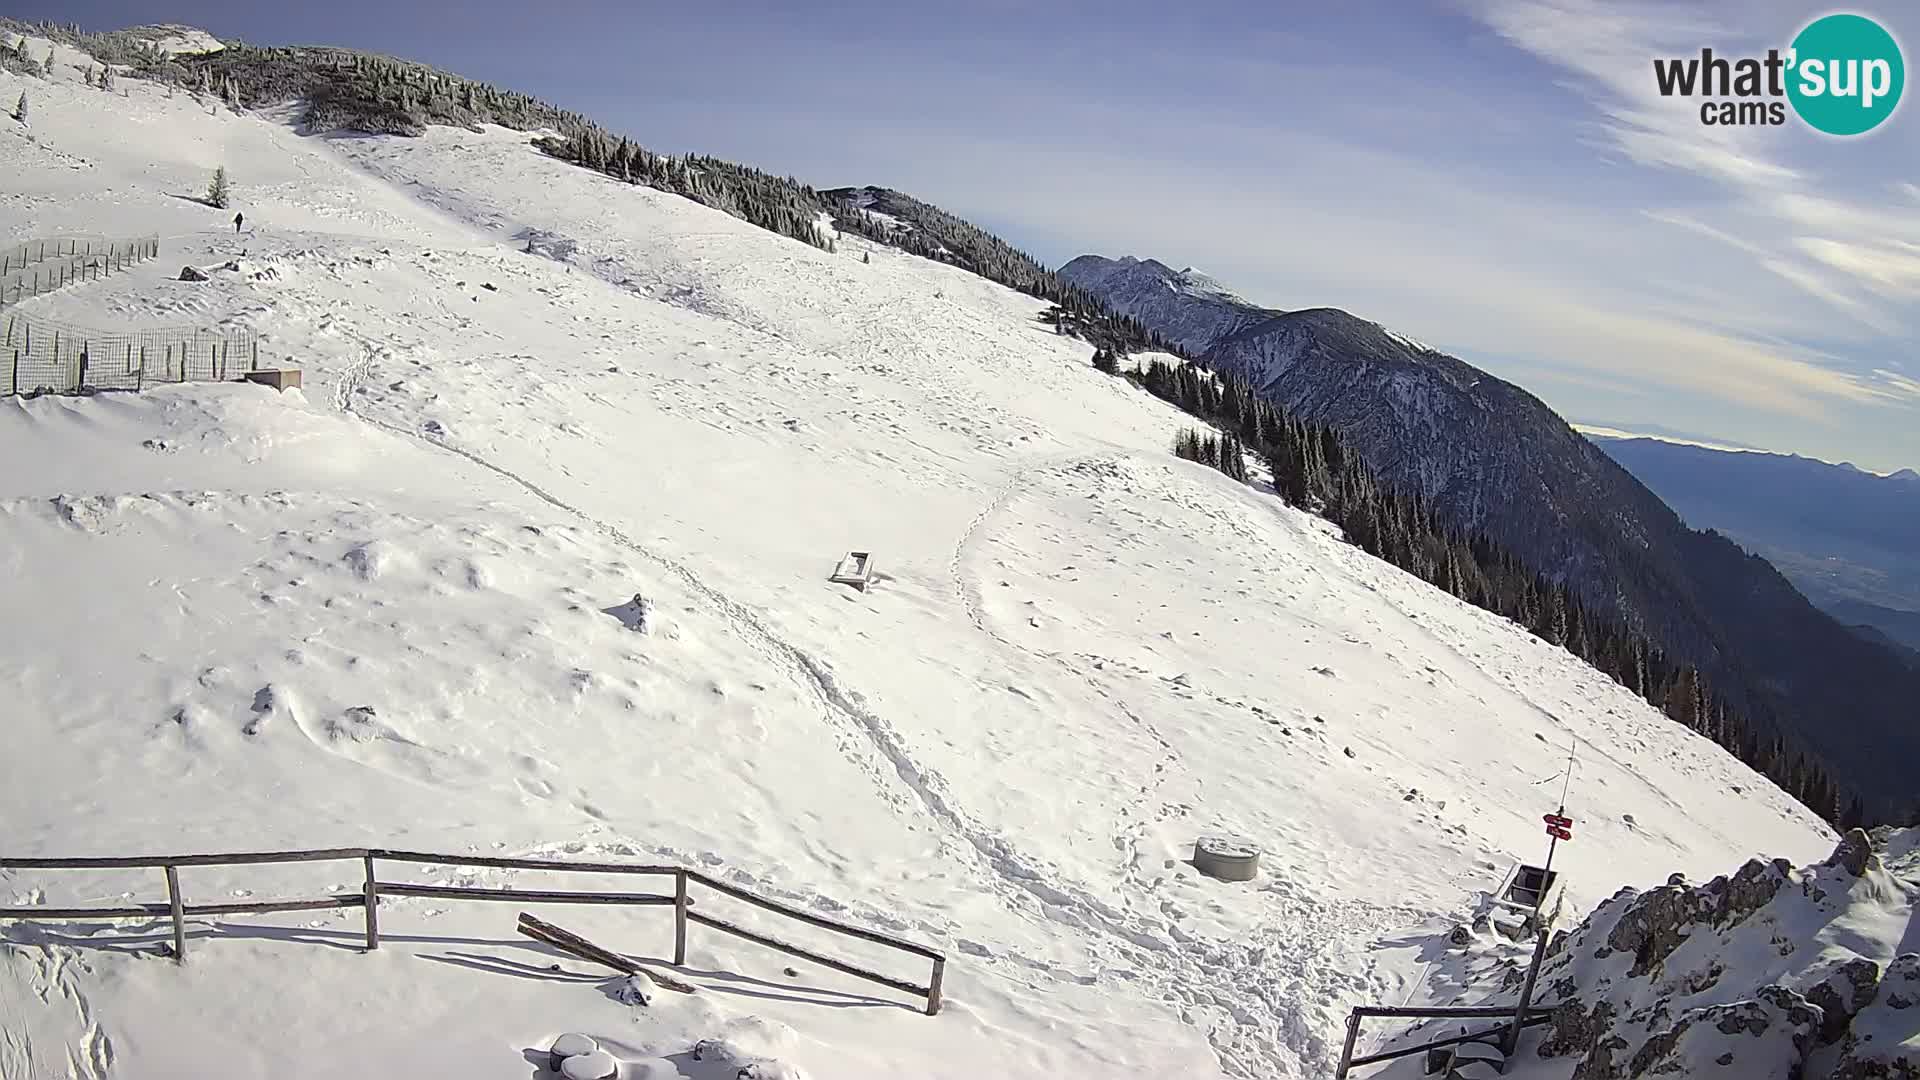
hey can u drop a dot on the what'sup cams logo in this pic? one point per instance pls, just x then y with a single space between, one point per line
1842 75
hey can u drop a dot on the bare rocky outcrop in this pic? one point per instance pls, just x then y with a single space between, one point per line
1771 973
1855 854
1765 1038
1883 1039
1849 988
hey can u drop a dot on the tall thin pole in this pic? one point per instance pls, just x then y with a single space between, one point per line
1553 842
1511 1041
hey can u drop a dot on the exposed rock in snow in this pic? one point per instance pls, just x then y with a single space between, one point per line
1775 973
635 990
177 40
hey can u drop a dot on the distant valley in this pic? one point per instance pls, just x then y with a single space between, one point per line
1848 539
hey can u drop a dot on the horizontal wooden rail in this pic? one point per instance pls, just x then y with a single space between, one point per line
815 920
161 911
519 864
526 896
238 858
777 945
136 911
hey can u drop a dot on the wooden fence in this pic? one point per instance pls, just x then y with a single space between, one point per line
368 900
39 266
43 356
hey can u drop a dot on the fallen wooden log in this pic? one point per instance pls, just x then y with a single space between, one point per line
568 942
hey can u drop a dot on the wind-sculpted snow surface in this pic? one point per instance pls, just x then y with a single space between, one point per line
398 608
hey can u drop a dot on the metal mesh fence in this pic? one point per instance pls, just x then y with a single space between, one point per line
38 266
43 356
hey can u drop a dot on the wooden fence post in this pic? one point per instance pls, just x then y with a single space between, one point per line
179 921
680 918
372 896
933 987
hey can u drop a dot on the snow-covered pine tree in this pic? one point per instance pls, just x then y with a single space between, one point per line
221 189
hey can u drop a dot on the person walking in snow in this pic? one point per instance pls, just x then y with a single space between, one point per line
237 218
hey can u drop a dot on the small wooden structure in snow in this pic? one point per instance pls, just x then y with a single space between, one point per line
855 570
1228 858
1525 891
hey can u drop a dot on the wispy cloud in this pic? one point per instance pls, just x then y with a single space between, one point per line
1893 382
1844 250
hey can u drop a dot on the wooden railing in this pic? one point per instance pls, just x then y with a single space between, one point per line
368 900
1529 1017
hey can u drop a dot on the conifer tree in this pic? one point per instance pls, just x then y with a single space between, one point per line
20 109
220 190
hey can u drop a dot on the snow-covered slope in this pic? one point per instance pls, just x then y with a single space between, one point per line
391 610
1490 458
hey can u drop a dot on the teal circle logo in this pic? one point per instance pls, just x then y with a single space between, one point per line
1847 74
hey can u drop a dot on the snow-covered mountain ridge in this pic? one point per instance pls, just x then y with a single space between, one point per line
384 610
1493 459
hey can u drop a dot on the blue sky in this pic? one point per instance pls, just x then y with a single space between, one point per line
1494 177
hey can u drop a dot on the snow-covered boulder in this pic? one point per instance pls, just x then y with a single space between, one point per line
594 1065
635 989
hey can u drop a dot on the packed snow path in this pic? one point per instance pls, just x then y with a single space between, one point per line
381 608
